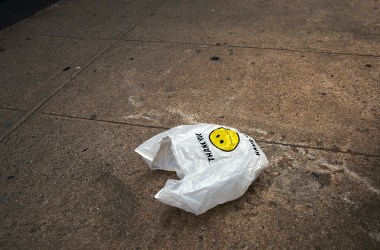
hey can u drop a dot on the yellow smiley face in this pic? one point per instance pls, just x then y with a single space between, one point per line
224 139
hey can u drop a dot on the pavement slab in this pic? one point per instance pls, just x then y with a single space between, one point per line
86 19
299 98
76 183
335 26
7 118
31 67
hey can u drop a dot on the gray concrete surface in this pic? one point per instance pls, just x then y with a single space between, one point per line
83 84
8 118
333 26
33 66
85 18
315 99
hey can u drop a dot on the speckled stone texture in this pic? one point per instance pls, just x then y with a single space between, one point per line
83 84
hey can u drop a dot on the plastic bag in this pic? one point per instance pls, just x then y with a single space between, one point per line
215 164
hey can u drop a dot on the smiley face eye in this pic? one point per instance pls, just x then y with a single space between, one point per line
217 136
221 141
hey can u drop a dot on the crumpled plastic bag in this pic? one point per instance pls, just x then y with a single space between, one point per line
215 164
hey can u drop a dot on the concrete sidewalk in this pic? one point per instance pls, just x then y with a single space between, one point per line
82 84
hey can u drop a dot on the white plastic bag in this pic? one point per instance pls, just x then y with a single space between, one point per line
215 164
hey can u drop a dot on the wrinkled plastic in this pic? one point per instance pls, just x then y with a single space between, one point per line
215 164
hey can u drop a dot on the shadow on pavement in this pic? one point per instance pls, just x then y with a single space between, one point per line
12 11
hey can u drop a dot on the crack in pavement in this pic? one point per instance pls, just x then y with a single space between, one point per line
345 168
315 51
14 109
166 128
